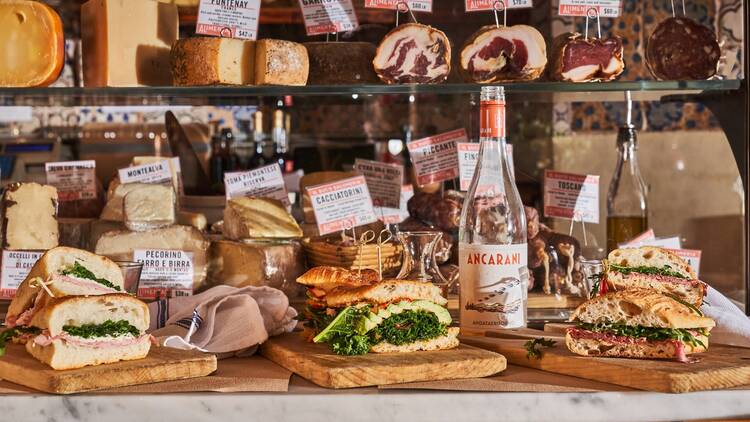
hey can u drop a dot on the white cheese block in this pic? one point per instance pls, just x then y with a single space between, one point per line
127 42
113 210
195 219
119 246
258 218
30 217
149 207
279 62
257 264
213 61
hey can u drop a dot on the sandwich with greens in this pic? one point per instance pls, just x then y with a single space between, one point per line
357 314
638 323
651 268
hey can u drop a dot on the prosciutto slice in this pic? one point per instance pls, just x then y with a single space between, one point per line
413 53
577 333
506 53
45 339
576 59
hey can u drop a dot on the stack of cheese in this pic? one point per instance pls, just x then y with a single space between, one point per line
72 311
30 217
260 247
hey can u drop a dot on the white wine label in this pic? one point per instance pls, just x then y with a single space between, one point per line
325 17
166 273
494 281
605 8
573 196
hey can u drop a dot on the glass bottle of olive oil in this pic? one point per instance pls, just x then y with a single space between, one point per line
627 209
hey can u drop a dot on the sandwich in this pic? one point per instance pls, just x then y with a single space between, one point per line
78 331
61 272
638 323
354 313
652 268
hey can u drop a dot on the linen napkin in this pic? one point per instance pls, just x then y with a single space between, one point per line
223 319
732 325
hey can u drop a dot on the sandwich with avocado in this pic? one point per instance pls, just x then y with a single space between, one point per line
360 314
653 268
638 323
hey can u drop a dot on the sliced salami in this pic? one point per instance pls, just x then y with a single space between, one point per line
413 53
682 49
506 53
577 59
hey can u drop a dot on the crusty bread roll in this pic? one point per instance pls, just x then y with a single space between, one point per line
650 256
81 310
60 355
328 278
386 291
448 341
644 350
691 291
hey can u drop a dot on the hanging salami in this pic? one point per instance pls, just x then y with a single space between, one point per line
577 59
505 53
682 49
413 53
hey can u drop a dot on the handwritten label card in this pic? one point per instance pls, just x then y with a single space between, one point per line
264 182
16 265
383 180
342 204
435 158
324 17
74 180
573 196
605 8
228 18
481 5
414 5
147 173
166 273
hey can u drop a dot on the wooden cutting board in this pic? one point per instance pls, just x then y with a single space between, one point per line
161 364
318 364
720 367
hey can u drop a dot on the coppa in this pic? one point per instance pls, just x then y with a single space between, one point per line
493 259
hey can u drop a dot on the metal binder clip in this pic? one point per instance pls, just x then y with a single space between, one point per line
591 13
499 6
403 7
381 241
683 8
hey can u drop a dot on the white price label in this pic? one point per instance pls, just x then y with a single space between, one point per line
325 17
396 215
572 196
468 153
228 18
342 205
383 181
435 158
16 265
482 5
147 173
264 182
673 242
605 8
166 273
74 180
414 5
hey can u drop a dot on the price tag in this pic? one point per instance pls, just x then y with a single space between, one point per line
264 182
692 256
396 215
605 8
481 5
342 204
228 18
16 265
325 17
147 173
414 5
166 273
573 196
74 180
383 181
468 153
435 158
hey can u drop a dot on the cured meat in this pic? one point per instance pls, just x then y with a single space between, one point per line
441 211
577 59
413 53
506 53
682 49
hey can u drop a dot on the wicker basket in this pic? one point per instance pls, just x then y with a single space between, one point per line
328 253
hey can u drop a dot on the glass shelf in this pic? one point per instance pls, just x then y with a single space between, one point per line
224 95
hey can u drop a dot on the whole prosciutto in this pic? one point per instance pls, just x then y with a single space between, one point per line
505 53
413 53
577 59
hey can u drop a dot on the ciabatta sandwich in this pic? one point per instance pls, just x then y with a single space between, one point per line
652 268
77 331
638 323
61 272
356 315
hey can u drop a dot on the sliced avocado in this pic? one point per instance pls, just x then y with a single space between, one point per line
424 305
363 325
395 308
377 319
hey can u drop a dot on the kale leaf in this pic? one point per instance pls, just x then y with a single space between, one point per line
78 270
15 332
649 333
107 329
407 327
665 270
344 333
316 318
532 347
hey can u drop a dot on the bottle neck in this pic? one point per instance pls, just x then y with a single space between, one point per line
492 118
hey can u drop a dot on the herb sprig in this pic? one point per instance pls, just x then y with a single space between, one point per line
108 328
8 334
533 347
78 270
408 327
666 270
648 333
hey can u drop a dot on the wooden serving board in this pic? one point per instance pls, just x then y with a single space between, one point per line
317 363
720 367
161 364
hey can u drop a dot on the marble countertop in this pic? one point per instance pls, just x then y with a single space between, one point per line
311 404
